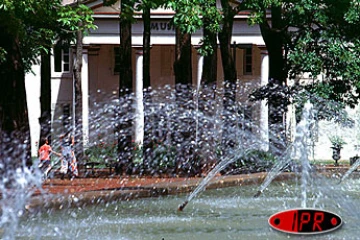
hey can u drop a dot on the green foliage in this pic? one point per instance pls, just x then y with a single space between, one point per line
253 161
205 48
137 154
352 15
70 16
337 141
109 2
2 55
211 22
190 16
38 23
102 152
187 15
325 108
151 4
127 11
163 157
320 38
329 48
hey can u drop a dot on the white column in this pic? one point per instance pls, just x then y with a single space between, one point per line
33 85
139 111
85 96
200 63
200 60
264 128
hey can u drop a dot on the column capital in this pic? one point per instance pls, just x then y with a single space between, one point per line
139 50
263 50
94 49
85 50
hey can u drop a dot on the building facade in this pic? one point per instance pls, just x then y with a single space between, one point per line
100 70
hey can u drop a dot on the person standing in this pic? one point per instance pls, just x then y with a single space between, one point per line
45 152
68 161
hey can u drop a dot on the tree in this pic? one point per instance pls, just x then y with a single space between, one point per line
147 142
78 90
27 29
225 35
45 94
126 18
23 33
77 20
124 125
211 20
185 11
186 20
307 37
331 49
83 24
14 125
274 36
125 50
145 7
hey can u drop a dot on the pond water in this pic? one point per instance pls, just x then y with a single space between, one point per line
228 213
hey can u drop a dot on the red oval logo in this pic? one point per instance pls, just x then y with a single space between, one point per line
305 221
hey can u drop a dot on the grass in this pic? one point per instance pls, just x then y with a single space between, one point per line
328 161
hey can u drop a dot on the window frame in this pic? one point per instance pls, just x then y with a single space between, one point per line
248 60
65 59
116 60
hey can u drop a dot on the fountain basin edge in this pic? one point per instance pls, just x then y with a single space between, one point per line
47 201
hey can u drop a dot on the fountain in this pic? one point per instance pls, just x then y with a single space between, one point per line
226 213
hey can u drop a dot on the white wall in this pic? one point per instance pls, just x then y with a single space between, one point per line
349 134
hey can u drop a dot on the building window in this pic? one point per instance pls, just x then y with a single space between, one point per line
248 61
116 60
61 57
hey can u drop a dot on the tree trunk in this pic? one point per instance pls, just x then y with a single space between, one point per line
182 64
15 148
273 37
225 34
45 96
208 144
146 46
126 73
148 121
78 95
186 154
229 106
125 125
209 73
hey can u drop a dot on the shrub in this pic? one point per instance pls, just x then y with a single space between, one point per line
253 161
163 157
102 152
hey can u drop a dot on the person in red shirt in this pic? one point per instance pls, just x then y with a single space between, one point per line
45 152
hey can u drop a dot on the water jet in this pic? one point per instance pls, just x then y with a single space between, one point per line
225 213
